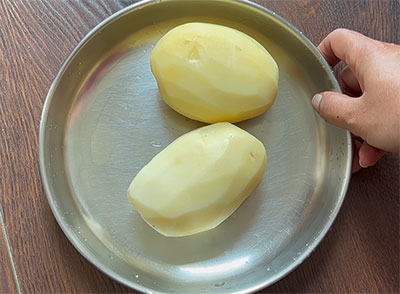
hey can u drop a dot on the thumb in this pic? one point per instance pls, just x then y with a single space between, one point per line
338 109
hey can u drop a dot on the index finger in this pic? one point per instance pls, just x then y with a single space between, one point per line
353 48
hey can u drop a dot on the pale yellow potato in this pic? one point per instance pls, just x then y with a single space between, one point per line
199 180
212 73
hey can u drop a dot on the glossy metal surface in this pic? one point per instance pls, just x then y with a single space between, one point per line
103 120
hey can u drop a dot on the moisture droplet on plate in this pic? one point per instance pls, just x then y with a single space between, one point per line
137 276
156 144
219 284
268 269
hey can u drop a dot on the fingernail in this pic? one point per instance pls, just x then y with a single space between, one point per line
316 101
362 164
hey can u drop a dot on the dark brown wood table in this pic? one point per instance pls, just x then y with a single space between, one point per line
359 254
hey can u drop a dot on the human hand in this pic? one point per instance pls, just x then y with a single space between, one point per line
370 104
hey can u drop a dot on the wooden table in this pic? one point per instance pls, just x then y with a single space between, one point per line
359 254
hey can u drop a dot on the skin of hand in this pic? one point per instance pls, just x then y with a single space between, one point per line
370 104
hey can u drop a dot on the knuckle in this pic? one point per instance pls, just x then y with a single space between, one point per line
353 117
339 33
350 119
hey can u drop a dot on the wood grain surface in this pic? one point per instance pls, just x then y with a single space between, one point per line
7 284
359 254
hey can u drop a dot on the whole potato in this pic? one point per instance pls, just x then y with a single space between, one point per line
199 180
212 73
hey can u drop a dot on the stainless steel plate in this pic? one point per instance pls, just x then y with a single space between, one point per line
103 120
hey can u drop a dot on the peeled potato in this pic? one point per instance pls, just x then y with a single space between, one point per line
199 180
212 73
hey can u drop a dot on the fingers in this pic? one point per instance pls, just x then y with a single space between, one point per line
356 161
343 111
349 84
351 47
369 155
364 155
339 110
